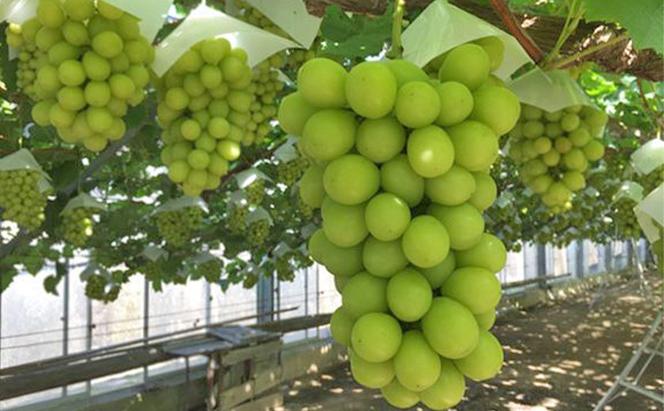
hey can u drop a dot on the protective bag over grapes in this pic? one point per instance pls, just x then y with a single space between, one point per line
558 137
400 164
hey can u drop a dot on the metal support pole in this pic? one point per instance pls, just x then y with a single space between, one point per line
540 253
146 320
265 299
62 271
306 298
608 257
580 266
208 303
88 335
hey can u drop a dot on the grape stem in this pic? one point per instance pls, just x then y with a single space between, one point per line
655 117
397 22
576 12
586 52
512 24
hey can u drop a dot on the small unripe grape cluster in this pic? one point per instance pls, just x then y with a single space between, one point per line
177 227
266 85
236 219
283 268
305 209
204 109
289 172
78 225
210 270
555 150
624 219
255 192
257 232
21 200
98 288
400 171
83 64
652 180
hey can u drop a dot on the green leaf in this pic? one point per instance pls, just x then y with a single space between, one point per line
7 275
356 36
642 19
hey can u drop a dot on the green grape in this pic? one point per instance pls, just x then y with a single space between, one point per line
78 225
236 219
78 46
205 99
290 172
257 232
179 226
255 192
21 200
210 270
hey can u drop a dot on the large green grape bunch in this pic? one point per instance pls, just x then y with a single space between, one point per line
78 225
84 64
21 199
177 227
204 109
401 174
555 150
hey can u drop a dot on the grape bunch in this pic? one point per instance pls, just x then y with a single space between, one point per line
555 150
624 218
265 87
78 225
177 227
21 199
652 180
98 287
257 232
204 109
210 270
400 171
83 64
236 219
288 173
255 192
283 268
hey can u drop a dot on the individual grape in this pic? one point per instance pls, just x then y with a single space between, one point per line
468 64
456 103
417 104
371 90
320 71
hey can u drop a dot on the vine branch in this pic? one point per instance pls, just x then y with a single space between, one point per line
590 50
657 119
514 27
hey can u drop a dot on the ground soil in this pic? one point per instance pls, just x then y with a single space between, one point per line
560 356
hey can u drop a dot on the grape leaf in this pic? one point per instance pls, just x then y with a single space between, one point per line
356 35
642 19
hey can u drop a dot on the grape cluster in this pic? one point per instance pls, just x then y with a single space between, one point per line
257 232
289 172
98 287
626 224
255 192
177 227
283 268
84 65
78 225
401 174
265 87
652 180
210 270
554 150
236 219
204 109
21 200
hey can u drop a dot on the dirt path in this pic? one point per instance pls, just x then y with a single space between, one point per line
558 357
